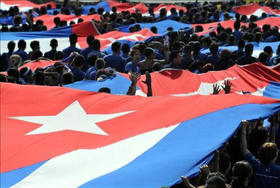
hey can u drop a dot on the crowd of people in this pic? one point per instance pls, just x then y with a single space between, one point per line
249 159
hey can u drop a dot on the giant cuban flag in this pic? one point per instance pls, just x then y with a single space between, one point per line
23 5
255 9
62 137
255 79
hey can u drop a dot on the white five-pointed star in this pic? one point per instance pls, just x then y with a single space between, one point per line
72 118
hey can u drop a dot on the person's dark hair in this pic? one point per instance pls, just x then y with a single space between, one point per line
241 43
11 46
100 11
99 63
114 9
17 20
39 78
105 90
53 43
237 25
80 20
154 29
96 44
56 21
148 52
173 55
21 44
241 172
267 152
90 40
13 72
217 181
78 61
92 59
125 48
35 45
214 48
116 46
73 38
249 49
67 78
263 57
268 50
58 55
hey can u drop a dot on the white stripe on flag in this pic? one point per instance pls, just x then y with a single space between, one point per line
78 167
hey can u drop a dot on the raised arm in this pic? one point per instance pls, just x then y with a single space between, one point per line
243 139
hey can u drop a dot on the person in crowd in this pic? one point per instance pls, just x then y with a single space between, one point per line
4 64
266 172
51 54
21 50
247 58
72 48
132 66
114 60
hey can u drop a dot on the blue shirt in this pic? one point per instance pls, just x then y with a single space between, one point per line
98 53
132 67
265 175
213 59
237 34
22 54
90 73
69 50
50 54
273 60
201 57
78 74
115 61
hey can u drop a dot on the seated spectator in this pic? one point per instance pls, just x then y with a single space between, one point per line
175 60
86 51
114 60
35 46
197 55
214 58
27 75
96 49
247 58
72 48
90 73
132 66
147 63
67 78
17 21
263 58
125 52
76 67
21 50
4 65
51 54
